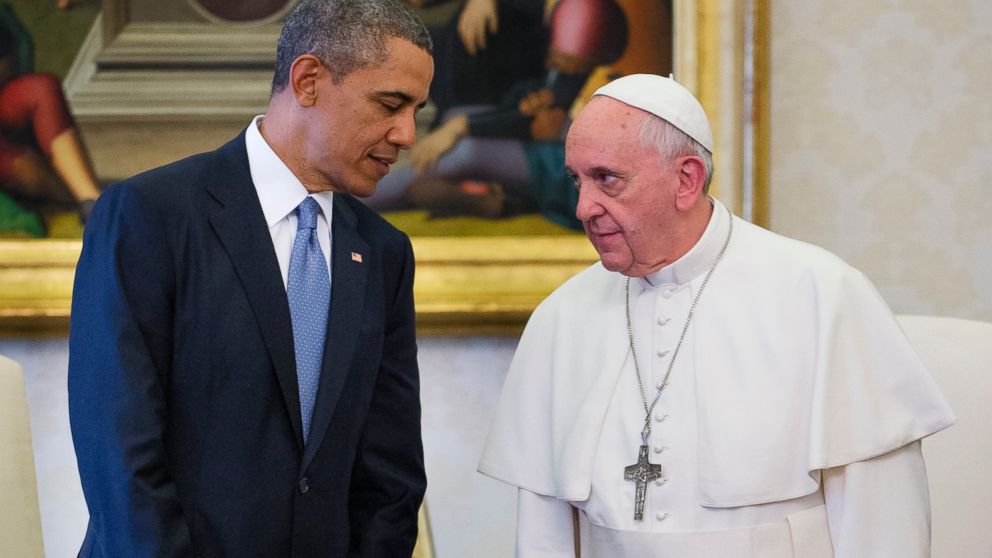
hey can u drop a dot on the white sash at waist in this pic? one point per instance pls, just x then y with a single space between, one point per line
803 535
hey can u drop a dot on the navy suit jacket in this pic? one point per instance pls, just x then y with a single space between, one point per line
183 397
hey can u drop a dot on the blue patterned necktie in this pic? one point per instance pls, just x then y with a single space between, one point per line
309 292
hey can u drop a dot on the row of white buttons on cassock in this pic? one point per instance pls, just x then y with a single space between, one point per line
666 292
658 448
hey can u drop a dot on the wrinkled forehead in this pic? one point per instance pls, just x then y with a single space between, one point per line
607 121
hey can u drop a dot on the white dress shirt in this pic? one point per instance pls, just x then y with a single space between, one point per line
280 192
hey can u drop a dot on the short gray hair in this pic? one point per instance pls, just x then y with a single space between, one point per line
672 143
346 35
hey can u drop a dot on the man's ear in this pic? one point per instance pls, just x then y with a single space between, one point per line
303 76
692 175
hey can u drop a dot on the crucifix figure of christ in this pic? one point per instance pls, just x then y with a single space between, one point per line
642 472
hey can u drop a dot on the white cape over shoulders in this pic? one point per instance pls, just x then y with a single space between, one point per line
801 367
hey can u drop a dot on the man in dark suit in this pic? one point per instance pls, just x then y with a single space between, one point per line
232 392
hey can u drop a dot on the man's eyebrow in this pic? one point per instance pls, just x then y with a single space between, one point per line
400 95
598 169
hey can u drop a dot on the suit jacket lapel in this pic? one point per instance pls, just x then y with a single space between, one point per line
349 274
238 220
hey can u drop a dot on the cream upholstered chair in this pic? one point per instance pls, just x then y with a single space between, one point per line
959 356
20 521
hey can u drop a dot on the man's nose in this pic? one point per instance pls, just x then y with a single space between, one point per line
404 133
588 206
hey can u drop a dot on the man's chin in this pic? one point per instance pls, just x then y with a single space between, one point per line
362 190
614 262
611 258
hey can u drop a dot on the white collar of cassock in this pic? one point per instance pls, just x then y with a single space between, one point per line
698 259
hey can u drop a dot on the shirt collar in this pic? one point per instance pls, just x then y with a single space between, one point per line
700 257
279 191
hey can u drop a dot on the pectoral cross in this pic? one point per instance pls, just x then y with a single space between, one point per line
642 472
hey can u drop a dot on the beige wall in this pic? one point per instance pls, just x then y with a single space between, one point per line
882 143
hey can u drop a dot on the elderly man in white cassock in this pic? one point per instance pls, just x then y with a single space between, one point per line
709 389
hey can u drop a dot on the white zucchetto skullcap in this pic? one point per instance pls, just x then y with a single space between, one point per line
664 98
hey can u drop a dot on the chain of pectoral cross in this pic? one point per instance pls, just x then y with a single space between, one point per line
644 471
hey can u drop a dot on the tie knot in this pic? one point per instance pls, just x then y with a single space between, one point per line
306 214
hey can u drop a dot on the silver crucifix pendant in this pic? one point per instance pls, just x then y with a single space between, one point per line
642 472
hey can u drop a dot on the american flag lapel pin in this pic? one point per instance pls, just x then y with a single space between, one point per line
356 257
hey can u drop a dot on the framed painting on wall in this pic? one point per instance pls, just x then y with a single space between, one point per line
474 274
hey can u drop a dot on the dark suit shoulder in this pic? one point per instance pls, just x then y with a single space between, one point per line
179 184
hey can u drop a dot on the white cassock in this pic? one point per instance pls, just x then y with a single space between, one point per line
790 426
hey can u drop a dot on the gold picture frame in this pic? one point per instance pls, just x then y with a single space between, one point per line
490 285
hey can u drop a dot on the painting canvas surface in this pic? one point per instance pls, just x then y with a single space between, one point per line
534 67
